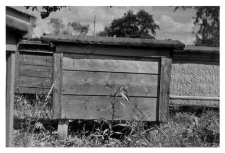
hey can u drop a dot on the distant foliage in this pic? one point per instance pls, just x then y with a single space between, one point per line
140 25
208 20
71 28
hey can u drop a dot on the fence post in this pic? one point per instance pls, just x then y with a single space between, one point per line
10 85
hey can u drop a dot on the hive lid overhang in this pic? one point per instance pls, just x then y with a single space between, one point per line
113 41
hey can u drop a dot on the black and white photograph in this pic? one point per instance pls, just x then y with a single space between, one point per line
112 76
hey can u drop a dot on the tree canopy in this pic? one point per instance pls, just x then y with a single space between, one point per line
140 25
46 10
207 19
71 28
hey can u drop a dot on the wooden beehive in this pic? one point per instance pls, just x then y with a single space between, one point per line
88 69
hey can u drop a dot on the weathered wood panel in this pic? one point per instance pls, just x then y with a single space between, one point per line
102 83
89 107
36 71
150 66
17 70
166 64
57 79
35 82
191 102
114 51
30 90
36 59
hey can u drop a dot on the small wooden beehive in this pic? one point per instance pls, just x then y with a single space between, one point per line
88 69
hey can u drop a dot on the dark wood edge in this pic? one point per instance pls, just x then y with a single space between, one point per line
164 89
17 70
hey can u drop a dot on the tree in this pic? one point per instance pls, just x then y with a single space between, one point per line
132 25
78 28
58 26
71 28
208 21
45 10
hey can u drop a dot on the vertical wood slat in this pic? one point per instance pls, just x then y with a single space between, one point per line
17 69
10 84
164 86
57 81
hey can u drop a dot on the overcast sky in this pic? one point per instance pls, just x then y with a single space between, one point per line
173 25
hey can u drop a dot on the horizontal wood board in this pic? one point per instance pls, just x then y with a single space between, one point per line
105 83
30 90
36 59
91 107
112 51
150 66
35 82
35 71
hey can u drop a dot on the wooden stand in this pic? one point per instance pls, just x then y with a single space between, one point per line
63 129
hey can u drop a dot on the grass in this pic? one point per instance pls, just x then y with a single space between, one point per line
186 127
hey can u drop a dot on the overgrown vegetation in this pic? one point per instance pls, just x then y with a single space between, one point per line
186 127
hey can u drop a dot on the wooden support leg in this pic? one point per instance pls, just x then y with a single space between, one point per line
10 79
63 129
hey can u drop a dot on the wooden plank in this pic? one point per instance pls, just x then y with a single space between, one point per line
17 67
46 52
36 59
199 103
109 57
35 82
114 51
57 81
63 129
105 83
10 80
30 90
36 71
107 65
89 107
164 90
194 97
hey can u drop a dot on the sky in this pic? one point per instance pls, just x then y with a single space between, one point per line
173 25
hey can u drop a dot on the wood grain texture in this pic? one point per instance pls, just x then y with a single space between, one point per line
166 64
194 97
36 71
104 83
89 107
35 82
190 102
57 80
36 59
113 51
111 65
10 80
17 70
30 90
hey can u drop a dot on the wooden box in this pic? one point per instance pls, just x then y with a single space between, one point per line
85 71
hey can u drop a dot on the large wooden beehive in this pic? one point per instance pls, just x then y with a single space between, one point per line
86 70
